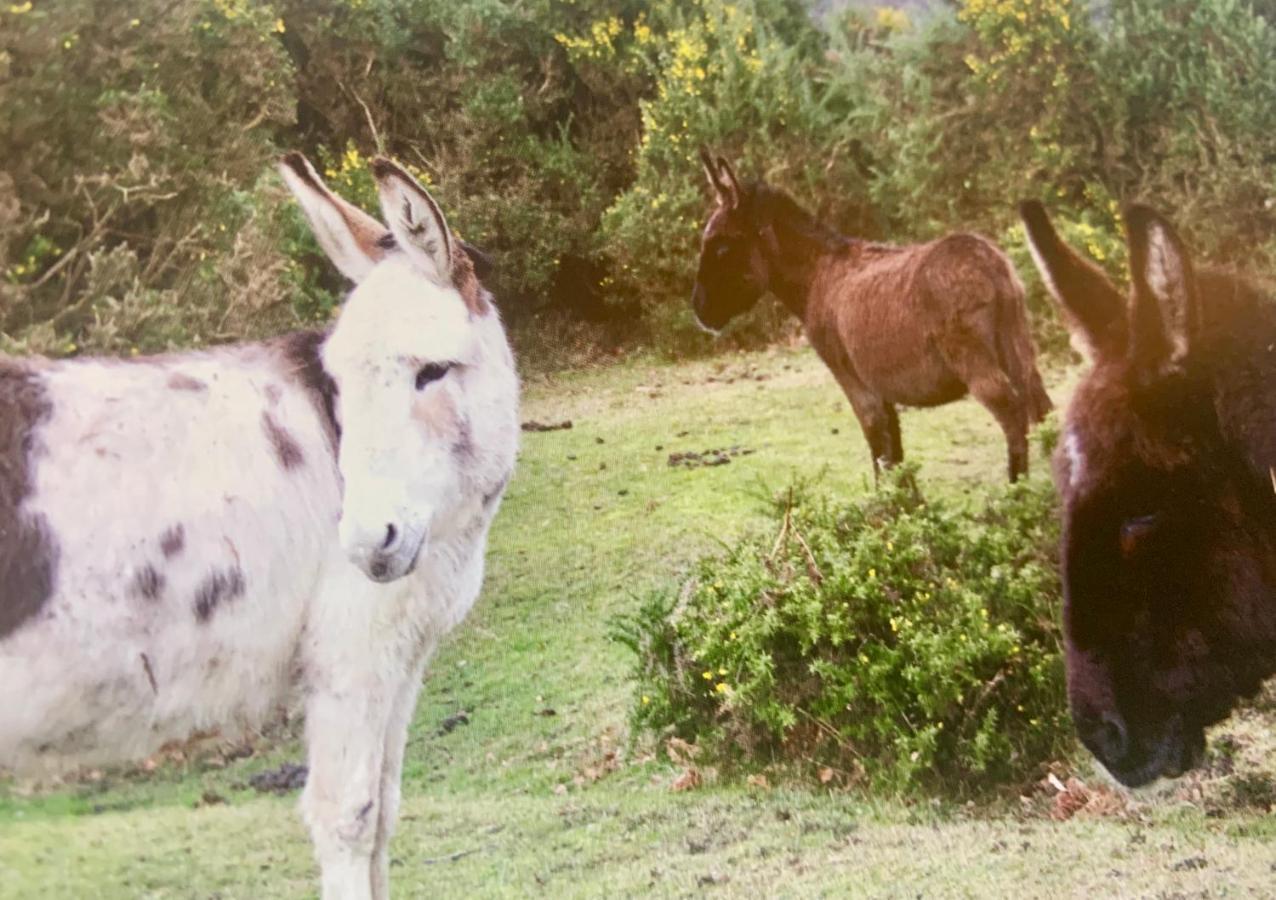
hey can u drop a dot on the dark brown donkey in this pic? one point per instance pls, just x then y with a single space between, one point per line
1166 468
919 325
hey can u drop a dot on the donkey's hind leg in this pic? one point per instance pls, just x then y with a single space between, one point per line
977 365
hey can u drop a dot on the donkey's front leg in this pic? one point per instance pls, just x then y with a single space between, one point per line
396 737
345 733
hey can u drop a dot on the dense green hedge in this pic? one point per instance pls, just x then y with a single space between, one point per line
138 207
890 642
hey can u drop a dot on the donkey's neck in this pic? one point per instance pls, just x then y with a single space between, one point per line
796 245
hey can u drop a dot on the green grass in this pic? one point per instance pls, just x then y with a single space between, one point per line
511 805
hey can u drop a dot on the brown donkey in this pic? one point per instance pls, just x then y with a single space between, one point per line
919 325
1167 469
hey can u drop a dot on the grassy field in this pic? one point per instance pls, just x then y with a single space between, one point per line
541 791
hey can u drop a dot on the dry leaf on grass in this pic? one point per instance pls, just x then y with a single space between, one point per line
680 752
1074 797
689 780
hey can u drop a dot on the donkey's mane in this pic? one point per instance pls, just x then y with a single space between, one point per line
775 206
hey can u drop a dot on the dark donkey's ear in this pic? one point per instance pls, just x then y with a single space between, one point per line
484 265
1165 314
721 178
1094 308
729 180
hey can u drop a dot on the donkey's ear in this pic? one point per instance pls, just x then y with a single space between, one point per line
730 184
414 218
710 169
351 238
1094 309
482 261
1165 314
713 171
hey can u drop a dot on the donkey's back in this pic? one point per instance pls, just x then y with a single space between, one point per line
163 523
919 288
923 325
920 322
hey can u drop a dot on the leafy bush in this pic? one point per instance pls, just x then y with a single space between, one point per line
134 134
903 643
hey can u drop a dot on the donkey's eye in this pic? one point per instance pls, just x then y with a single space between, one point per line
431 372
722 250
1133 532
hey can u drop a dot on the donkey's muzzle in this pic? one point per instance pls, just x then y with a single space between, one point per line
1137 759
386 554
699 305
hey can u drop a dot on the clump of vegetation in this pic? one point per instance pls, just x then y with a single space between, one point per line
898 643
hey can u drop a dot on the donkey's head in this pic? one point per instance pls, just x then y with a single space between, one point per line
426 391
1168 557
733 271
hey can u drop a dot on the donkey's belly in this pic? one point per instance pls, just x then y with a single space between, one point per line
919 379
184 549
106 675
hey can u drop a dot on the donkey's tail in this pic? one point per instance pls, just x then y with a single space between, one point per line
1014 344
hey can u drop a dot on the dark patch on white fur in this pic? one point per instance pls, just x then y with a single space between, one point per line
179 381
28 553
463 446
150 673
286 448
148 583
302 354
173 541
219 587
493 495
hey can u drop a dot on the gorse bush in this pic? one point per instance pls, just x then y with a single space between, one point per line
134 137
908 645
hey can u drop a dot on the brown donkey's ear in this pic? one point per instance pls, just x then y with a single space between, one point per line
1094 309
1165 314
351 238
730 184
710 170
721 178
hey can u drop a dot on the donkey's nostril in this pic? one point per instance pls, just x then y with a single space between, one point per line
390 534
1108 737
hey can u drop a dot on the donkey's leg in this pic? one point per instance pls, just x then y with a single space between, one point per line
357 656
976 364
875 423
391 776
345 727
875 417
896 454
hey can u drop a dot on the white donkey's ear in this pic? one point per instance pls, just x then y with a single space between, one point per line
352 239
415 219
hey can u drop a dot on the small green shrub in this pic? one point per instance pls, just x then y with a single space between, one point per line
904 643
